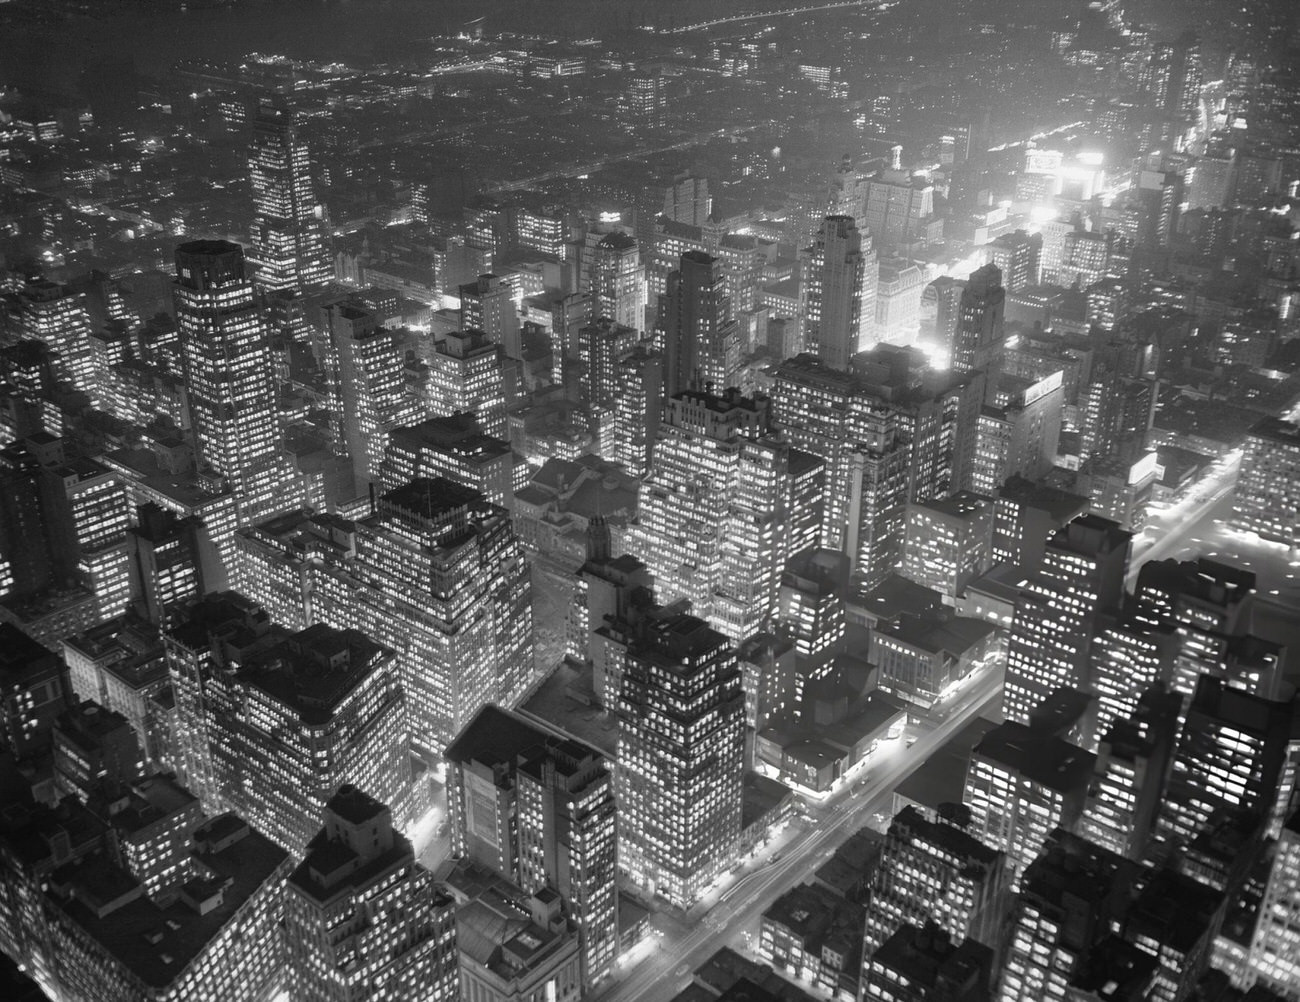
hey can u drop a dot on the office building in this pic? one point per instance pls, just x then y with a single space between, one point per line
887 433
1017 256
612 597
466 375
362 919
1208 605
366 366
538 809
442 581
1057 614
33 692
152 823
923 964
947 542
687 200
1134 757
602 345
289 244
454 447
934 871
1275 950
308 711
219 937
488 304
701 339
837 300
937 316
91 745
1019 431
900 207
1176 919
618 291
681 744
1070 898
638 404
1268 487
436 573
1026 516
1021 784
230 376
811 609
172 560
724 506
56 316
1230 754
979 339
1128 657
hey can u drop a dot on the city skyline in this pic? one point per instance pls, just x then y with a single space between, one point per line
650 503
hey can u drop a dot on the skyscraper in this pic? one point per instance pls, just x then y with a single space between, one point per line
1268 487
979 338
832 292
362 919
488 304
286 723
538 809
1128 782
687 200
723 507
230 375
366 366
936 871
56 316
466 374
1231 754
1275 951
1021 784
618 282
443 582
1017 256
681 748
701 340
288 234
923 964
1069 899
638 403
1056 618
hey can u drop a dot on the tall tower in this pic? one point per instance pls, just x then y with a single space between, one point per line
366 366
538 808
288 234
977 345
831 292
362 918
618 282
681 747
701 339
230 375
1057 614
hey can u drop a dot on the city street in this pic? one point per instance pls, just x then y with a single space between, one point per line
685 943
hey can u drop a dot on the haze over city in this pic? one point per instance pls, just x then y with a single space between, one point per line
648 501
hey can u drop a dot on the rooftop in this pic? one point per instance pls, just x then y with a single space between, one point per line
157 944
1042 758
314 670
